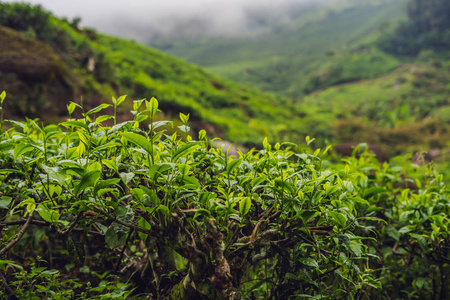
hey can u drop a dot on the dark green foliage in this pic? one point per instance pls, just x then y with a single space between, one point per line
34 75
429 16
428 27
32 20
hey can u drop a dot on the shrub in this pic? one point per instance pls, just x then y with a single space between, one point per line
181 220
26 18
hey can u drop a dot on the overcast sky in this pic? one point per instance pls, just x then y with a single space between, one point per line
144 19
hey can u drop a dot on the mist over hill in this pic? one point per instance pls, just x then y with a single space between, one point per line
160 22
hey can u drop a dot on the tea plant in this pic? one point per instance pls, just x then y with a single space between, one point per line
174 218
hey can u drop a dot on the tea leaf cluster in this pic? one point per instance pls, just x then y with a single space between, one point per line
108 209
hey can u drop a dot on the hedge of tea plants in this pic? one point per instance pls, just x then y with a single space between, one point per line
92 209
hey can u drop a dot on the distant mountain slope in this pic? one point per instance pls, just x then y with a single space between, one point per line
282 60
98 66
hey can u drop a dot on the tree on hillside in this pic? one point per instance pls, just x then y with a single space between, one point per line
427 16
428 27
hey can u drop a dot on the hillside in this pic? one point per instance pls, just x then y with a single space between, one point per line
333 63
289 59
95 67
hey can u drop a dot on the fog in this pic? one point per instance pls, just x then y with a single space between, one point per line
156 20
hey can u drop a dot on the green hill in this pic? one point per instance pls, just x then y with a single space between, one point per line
289 60
94 66
337 64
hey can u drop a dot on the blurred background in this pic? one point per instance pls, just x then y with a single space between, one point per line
342 71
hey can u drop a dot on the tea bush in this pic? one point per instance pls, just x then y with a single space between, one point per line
92 208
33 20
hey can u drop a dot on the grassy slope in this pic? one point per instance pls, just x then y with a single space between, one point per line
240 115
406 110
281 61
244 115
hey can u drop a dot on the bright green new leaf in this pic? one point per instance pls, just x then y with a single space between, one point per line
316 153
137 194
266 144
156 125
184 118
120 100
108 145
244 206
88 180
140 118
184 169
79 124
110 164
7 171
233 165
2 97
22 148
101 192
137 104
139 140
373 219
201 134
97 109
103 118
257 181
326 149
184 150
152 106
71 108
17 123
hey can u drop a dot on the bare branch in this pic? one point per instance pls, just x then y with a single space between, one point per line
19 236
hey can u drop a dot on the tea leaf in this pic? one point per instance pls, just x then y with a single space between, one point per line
87 181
